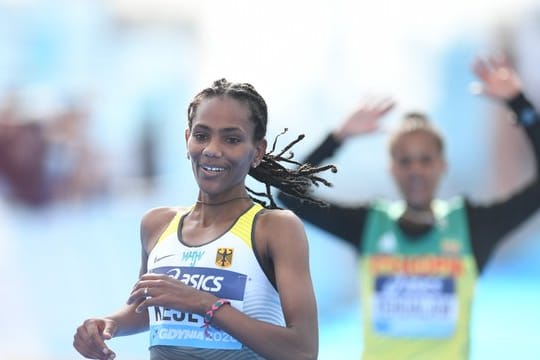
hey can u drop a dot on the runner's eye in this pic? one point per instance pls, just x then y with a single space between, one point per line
404 161
232 140
200 137
426 160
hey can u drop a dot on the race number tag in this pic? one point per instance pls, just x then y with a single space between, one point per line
414 306
175 328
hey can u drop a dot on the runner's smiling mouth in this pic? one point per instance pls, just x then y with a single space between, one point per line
215 169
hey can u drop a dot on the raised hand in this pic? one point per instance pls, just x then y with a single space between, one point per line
498 78
365 119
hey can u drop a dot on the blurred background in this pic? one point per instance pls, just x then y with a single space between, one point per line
93 98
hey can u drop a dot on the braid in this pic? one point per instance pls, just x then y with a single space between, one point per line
242 92
296 182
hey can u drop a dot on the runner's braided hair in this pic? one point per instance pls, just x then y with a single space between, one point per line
295 182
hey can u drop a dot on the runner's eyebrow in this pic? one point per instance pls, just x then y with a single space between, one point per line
232 129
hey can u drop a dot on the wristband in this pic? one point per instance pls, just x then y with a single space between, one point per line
209 315
523 109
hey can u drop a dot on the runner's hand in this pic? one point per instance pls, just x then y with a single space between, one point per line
89 340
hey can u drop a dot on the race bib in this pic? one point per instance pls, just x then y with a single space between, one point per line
414 306
175 328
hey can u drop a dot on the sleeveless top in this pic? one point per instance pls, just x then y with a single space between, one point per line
417 292
226 267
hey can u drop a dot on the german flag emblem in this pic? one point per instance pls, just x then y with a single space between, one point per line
224 257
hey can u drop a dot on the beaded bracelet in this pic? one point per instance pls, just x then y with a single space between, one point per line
210 314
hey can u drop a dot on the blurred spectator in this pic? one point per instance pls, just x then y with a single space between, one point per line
74 168
22 152
147 149
43 161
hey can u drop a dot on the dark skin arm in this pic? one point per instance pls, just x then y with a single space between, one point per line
286 246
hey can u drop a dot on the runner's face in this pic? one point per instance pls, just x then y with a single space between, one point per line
417 166
221 146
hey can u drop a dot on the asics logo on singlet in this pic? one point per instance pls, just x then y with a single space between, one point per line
222 283
209 283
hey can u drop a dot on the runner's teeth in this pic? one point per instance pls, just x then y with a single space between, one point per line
209 168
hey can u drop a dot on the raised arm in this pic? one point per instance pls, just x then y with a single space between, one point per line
490 223
500 81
